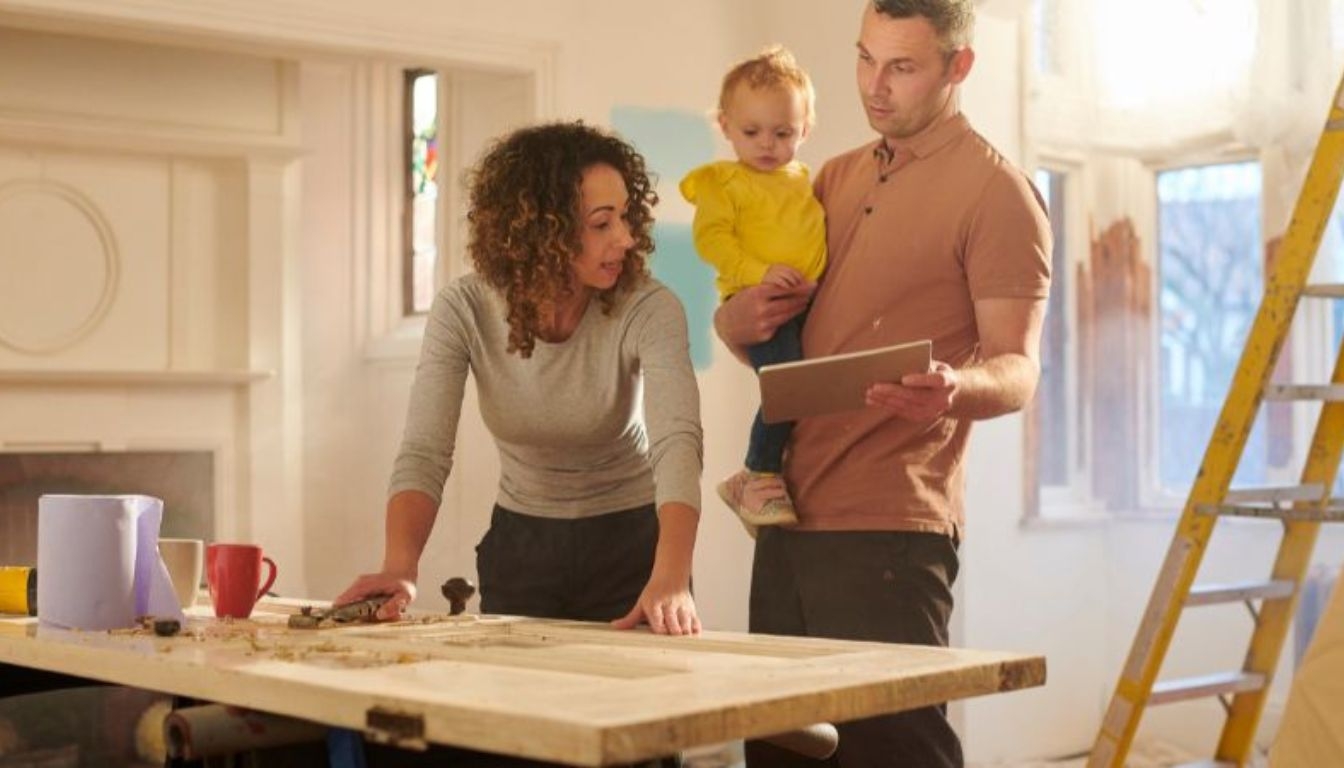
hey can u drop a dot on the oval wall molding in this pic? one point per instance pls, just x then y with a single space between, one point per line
69 215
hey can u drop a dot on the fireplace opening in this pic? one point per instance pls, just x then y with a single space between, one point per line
185 480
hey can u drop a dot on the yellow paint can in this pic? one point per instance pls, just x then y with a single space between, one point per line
18 590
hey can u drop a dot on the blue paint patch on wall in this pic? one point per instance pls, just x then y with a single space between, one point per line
672 143
676 264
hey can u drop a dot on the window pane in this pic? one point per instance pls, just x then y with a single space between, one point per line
1210 285
1338 349
1330 269
1045 20
422 93
1052 399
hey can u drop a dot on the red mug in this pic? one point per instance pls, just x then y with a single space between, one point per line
232 572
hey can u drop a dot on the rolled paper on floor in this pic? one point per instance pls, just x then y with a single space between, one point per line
149 743
818 741
212 730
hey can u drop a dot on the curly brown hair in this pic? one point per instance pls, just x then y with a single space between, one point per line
525 220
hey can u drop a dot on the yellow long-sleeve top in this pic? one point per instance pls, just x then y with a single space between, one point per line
747 220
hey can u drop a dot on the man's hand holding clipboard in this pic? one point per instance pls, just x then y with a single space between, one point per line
835 383
917 396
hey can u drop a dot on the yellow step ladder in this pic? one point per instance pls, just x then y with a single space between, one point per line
1301 508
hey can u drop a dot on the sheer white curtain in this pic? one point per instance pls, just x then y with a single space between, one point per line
1167 71
1283 104
1297 67
1145 76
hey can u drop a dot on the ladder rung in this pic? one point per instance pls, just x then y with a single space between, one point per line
1281 494
1333 393
1205 686
1215 594
1325 290
1332 512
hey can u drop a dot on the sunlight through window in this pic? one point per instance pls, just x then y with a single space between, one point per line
1153 52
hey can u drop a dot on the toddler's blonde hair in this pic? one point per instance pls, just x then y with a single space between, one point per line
773 67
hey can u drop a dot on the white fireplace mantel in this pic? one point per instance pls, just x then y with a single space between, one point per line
191 156
153 265
103 378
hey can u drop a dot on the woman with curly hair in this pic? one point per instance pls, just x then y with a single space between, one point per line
584 378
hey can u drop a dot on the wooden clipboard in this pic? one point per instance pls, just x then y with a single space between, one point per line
821 385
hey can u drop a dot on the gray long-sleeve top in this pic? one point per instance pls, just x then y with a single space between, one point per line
606 420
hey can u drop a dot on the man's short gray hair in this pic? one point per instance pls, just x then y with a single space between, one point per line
952 20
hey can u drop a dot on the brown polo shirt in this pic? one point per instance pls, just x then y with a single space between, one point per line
916 235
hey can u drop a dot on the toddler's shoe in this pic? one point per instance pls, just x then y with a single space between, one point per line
730 490
758 498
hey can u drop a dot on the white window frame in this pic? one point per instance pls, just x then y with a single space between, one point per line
1075 496
390 334
1154 499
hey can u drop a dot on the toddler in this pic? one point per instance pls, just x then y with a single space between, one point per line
756 221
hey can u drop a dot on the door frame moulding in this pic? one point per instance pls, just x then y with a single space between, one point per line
260 27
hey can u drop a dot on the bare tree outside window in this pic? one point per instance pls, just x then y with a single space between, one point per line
1211 278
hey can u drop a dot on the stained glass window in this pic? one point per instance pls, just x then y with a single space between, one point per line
422 191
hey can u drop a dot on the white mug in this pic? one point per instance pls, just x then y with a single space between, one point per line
185 559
